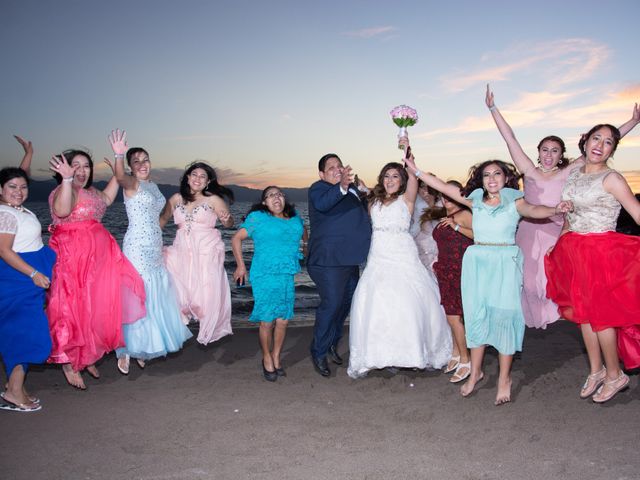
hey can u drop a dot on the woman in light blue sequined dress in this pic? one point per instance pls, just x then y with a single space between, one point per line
162 330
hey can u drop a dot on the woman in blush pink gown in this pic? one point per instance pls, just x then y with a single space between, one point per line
543 184
196 258
94 289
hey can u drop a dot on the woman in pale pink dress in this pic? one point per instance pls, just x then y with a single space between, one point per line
543 184
196 258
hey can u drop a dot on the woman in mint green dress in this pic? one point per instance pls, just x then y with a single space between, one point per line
492 267
276 229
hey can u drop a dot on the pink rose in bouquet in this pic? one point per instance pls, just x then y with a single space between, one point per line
404 116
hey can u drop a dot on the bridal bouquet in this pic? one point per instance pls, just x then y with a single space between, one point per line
404 116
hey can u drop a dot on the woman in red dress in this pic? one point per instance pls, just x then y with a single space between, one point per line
593 272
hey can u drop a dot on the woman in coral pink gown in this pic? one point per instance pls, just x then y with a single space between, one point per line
94 289
196 258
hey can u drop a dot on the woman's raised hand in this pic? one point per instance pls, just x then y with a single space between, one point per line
118 141
488 99
59 165
635 115
26 144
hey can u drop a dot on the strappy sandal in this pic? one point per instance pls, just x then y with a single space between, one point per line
592 383
123 365
453 368
610 388
457 377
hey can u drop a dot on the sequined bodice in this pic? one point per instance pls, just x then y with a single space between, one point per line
143 211
90 206
595 210
188 218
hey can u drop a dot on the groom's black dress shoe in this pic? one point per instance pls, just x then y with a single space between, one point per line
335 358
321 366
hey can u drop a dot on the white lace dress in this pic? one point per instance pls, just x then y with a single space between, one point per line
396 317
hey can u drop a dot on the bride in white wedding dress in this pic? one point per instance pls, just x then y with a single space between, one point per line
396 318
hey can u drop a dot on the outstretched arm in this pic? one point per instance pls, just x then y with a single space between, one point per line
540 211
522 161
447 189
629 125
118 141
25 164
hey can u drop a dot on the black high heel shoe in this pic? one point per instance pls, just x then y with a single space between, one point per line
280 372
269 376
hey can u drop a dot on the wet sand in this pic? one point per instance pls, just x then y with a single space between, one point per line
206 413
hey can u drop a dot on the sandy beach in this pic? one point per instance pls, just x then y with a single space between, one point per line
206 413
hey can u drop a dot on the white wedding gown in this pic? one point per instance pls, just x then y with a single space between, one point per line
396 317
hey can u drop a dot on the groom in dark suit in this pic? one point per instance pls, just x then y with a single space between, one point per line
339 243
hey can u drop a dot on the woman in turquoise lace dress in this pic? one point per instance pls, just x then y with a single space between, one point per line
492 267
276 229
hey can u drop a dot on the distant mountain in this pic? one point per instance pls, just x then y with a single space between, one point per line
39 191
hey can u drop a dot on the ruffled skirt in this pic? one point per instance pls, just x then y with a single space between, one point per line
595 278
491 287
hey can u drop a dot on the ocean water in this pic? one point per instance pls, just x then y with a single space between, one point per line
115 220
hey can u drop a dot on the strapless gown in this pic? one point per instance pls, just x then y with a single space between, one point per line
396 317
196 264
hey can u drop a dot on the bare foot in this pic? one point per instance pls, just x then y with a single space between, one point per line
504 392
73 378
470 385
30 398
17 399
93 371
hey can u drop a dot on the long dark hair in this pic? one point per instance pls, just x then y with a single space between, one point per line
511 176
213 187
289 210
378 193
435 212
69 155
564 161
9 173
615 133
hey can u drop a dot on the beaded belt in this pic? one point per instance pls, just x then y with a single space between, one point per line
390 229
496 244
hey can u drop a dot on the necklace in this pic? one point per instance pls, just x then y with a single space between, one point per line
492 195
547 170
20 208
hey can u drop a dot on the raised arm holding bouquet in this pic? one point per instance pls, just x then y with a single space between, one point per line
403 116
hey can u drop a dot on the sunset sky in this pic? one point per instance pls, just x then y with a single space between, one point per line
262 90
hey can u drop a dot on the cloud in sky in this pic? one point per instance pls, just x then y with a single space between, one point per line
371 32
564 61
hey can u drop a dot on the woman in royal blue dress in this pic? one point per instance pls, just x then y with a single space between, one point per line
276 229
25 272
